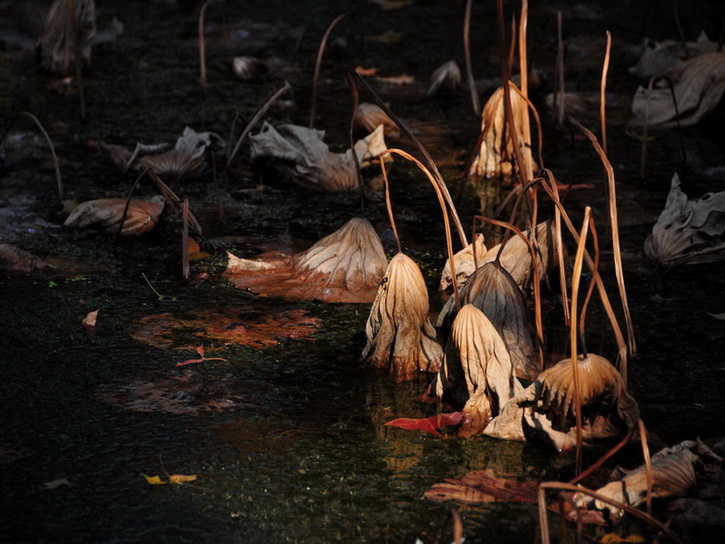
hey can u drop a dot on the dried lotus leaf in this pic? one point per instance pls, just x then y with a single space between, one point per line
58 45
465 264
400 338
688 231
107 213
368 116
445 78
477 370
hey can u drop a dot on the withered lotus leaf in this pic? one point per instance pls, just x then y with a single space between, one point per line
699 84
476 370
481 486
345 266
688 231
400 338
106 214
607 408
185 158
674 473
660 58
495 157
492 290
299 156
445 78
58 45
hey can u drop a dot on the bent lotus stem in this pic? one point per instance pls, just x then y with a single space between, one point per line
621 344
202 43
185 239
618 268
538 321
559 486
590 289
434 174
647 464
56 166
318 64
444 210
576 276
388 204
128 203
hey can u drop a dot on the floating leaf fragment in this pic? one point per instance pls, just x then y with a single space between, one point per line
428 424
55 484
106 214
89 322
171 479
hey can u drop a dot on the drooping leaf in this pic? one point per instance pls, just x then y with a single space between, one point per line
400 338
345 266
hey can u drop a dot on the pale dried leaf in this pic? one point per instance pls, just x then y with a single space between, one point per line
660 58
368 116
345 266
465 264
699 85
58 46
400 338
445 78
688 231
106 214
298 155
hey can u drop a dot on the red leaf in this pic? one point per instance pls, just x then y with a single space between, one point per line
428 424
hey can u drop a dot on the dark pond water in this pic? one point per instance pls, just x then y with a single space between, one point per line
287 442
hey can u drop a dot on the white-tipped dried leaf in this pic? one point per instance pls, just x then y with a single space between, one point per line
345 266
492 290
699 85
674 473
400 338
445 78
495 157
477 370
106 214
464 263
298 155
248 67
58 46
607 408
688 231
660 58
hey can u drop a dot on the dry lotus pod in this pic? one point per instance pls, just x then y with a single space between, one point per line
345 266
58 48
368 116
445 78
674 473
699 85
106 214
688 231
298 155
400 338
492 290
477 370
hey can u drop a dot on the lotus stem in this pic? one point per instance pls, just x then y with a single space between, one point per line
56 166
202 43
544 524
621 344
444 211
432 169
576 276
358 172
603 92
647 464
467 53
645 126
261 110
559 92
590 289
78 64
185 239
579 477
318 63
215 179
128 203
618 268
388 204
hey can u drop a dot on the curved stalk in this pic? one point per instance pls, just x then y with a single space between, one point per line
318 63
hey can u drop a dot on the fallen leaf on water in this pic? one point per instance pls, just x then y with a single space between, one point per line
172 479
611 538
200 351
89 322
229 325
428 424
55 484
483 486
